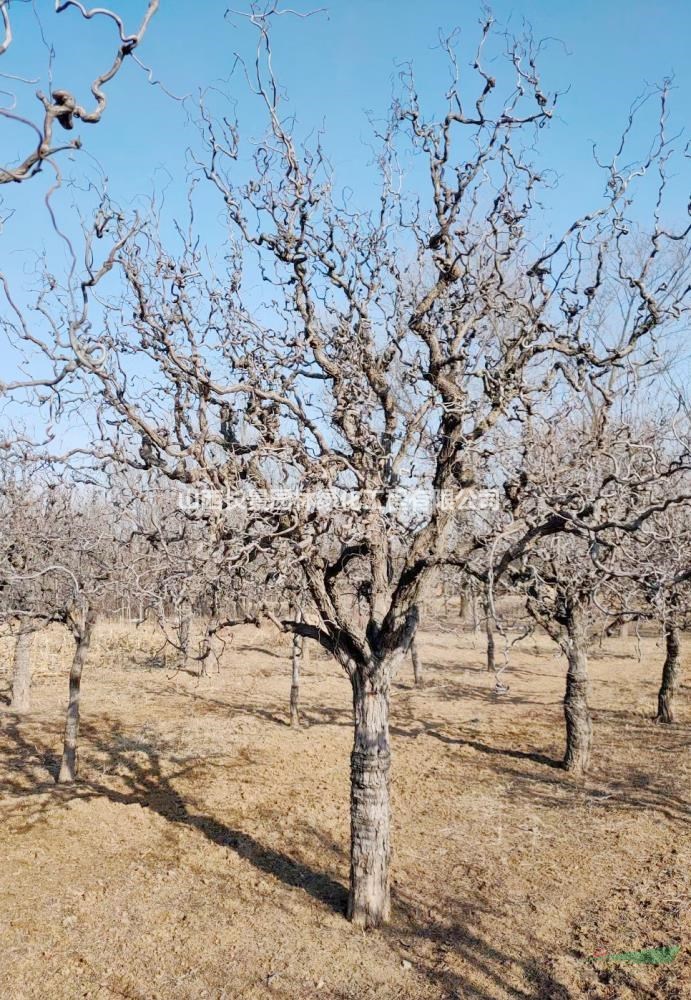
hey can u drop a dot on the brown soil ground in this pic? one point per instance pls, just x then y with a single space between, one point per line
204 851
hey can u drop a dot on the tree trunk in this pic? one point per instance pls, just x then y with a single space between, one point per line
21 675
370 847
670 676
209 642
473 611
579 727
82 635
300 660
298 649
185 630
489 631
417 664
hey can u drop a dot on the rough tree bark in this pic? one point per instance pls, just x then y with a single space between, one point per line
369 902
417 663
82 632
670 676
579 727
21 674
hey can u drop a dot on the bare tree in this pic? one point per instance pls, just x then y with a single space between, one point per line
58 556
587 491
649 575
392 344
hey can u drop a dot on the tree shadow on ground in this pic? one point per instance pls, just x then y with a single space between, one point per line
141 769
405 723
495 971
620 788
274 654
452 947
146 783
485 748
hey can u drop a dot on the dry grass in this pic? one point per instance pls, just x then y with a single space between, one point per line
203 854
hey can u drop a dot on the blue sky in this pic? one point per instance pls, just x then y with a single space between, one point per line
339 64
336 66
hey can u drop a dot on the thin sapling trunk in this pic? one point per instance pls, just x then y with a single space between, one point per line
298 649
417 664
489 632
82 632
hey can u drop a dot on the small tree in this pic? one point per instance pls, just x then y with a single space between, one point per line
650 574
586 492
58 556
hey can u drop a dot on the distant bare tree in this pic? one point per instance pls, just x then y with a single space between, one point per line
586 491
649 577
58 556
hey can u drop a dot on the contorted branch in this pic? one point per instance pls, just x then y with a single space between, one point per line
62 106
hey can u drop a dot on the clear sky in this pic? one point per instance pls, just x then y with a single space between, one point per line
340 63
335 66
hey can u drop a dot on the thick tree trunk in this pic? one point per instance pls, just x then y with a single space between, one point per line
579 727
670 676
417 664
370 846
68 766
21 675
